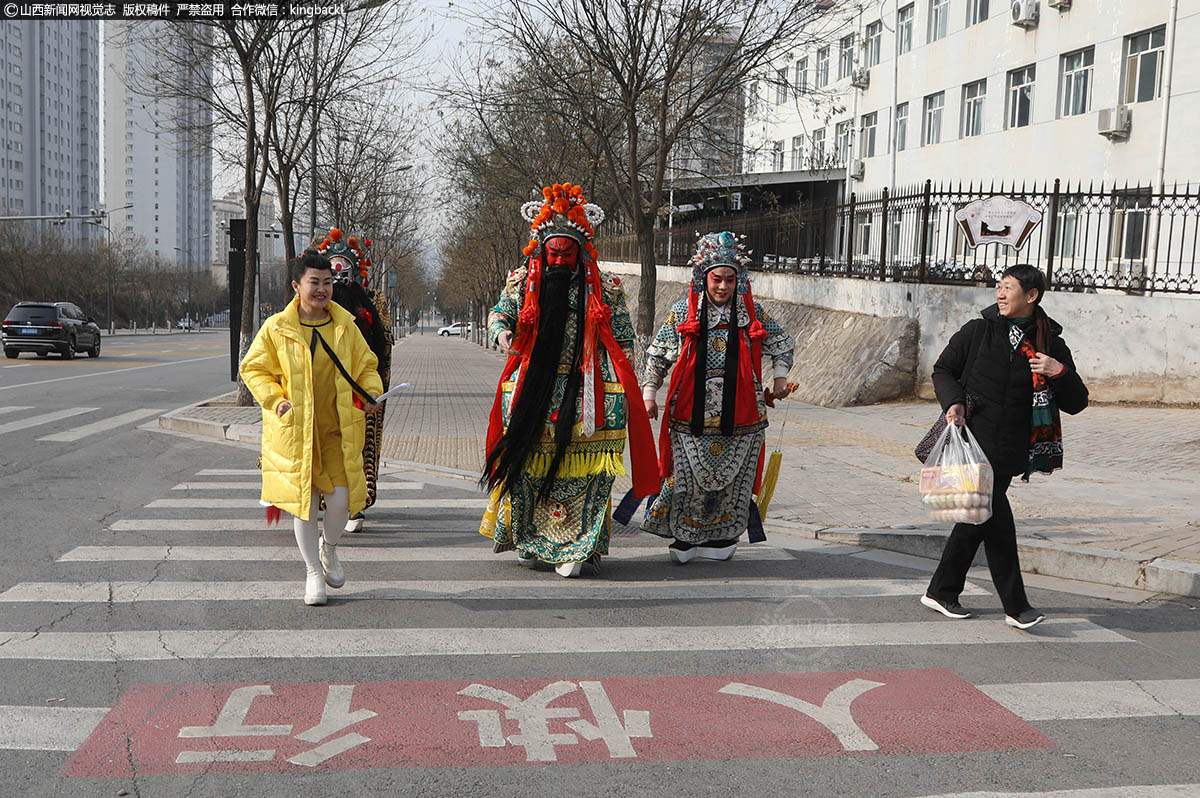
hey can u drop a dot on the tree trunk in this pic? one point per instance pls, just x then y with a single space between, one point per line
643 325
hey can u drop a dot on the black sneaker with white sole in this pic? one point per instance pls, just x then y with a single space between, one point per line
951 609
1026 619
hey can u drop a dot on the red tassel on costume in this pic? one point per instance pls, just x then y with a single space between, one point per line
273 515
358 402
365 317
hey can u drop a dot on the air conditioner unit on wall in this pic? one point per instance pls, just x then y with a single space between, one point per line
861 78
1061 5
825 5
1115 123
857 170
1025 13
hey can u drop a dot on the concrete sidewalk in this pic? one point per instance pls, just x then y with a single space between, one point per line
1125 510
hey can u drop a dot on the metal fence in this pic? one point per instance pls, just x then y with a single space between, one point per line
1125 238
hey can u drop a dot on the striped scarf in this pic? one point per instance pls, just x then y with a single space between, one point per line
1045 427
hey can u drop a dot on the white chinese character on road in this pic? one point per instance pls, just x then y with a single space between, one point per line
533 716
833 713
231 722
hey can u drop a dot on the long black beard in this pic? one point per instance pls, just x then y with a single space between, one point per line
733 348
527 419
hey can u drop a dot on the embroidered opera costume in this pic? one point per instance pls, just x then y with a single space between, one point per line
712 343
557 434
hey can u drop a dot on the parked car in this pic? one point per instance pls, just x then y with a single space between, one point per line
185 324
45 327
457 328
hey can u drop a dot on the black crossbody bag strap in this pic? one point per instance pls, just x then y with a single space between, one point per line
325 345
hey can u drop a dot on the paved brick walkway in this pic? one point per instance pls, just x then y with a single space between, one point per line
442 420
1129 483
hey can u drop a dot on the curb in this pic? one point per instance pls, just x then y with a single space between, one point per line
1062 560
179 421
1066 561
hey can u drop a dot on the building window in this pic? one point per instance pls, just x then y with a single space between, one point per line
977 11
863 234
822 67
1130 226
873 43
973 95
1143 65
777 157
1019 112
931 119
818 148
841 140
1076 88
939 19
801 76
781 86
870 122
904 28
1068 233
752 100
797 152
846 56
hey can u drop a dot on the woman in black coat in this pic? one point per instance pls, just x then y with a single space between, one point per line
1019 373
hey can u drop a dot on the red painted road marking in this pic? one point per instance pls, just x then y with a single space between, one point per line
239 728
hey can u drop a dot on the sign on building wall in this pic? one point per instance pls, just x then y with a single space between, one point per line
998 220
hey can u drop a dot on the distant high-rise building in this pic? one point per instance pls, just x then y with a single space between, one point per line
157 147
49 140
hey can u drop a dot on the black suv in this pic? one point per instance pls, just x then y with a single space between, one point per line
45 327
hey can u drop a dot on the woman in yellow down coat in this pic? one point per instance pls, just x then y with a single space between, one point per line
313 427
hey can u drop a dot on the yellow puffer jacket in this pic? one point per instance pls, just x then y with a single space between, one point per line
278 366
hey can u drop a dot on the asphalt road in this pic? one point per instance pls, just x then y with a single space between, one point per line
152 640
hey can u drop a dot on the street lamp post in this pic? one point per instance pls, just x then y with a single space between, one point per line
187 303
97 218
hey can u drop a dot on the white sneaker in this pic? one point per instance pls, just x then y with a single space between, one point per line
715 553
526 560
334 575
314 588
568 569
355 524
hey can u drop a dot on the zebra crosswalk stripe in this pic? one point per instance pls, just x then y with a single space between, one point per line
380 504
493 589
103 425
174 644
256 485
44 418
354 553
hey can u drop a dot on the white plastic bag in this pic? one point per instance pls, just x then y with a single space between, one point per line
956 482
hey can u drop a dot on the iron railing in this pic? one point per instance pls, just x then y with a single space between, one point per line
1125 238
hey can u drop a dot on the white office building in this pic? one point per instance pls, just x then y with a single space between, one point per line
901 91
157 151
50 106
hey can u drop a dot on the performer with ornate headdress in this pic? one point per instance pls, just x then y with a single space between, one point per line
559 421
352 290
713 430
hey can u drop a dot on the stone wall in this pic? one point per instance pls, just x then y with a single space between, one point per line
841 358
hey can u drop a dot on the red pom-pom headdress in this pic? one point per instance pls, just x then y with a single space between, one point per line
350 257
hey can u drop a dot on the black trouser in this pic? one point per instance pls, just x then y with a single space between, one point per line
999 537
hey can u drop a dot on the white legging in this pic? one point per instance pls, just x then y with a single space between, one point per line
336 515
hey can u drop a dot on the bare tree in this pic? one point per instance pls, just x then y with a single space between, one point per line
640 76
353 60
